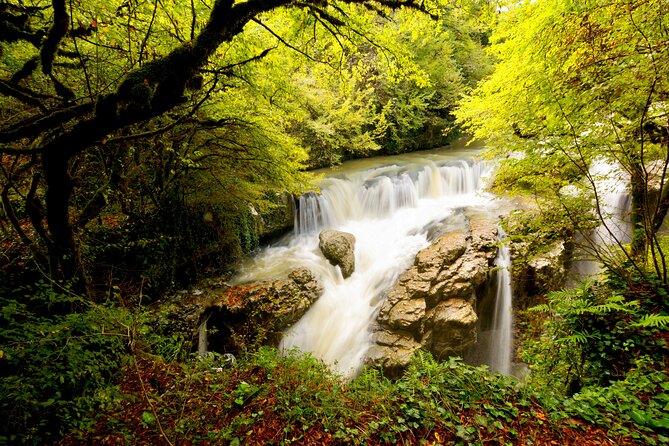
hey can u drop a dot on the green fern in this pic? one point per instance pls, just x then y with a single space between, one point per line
578 338
652 320
613 303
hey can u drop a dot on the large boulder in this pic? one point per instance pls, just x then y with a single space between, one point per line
241 316
339 248
432 304
258 313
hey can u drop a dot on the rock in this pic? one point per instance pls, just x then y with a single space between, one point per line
444 251
338 247
279 303
392 352
548 269
432 303
407 314
277 218
536 274
450 328
244 315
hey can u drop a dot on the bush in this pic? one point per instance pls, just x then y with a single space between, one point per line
54 360
591 337
170 248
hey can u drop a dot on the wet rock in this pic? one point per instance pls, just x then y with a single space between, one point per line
432 303
392 352
407 314
245 315
450 328
538 273
548 268
338 247
276 219
264 310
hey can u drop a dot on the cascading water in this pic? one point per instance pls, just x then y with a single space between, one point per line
614 199
501 348
611 184
392 212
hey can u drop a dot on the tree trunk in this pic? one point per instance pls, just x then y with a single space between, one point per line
63 254
638 215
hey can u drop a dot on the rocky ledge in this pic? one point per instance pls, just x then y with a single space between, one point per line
241 316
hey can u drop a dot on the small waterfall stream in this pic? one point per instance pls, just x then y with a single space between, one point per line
500 355
611 184
393 211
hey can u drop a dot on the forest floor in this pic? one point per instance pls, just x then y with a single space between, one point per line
167 403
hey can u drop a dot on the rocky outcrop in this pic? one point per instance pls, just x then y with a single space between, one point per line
393 351
339 248
280 302
243 316
432 304
450 328
277 218
538 273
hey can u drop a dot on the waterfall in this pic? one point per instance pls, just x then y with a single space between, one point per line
611 184
391 211
379 193
501 348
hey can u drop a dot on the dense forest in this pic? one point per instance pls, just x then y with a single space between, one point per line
149 145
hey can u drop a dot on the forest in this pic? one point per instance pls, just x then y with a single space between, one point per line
149 147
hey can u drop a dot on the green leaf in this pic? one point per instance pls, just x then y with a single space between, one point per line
148 417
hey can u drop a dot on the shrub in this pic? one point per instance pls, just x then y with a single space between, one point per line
54 359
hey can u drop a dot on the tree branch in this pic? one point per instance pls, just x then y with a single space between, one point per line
55 35
282 40
32 126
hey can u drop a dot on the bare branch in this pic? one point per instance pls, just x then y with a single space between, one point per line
282 40
142 47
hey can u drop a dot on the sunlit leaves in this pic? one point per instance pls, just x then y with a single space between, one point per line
577 82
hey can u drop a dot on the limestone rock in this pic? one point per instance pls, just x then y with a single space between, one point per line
338 247
392 352
540 272
444 251
254 313
407 314
548 268
276 219
450 328
280 302
432 303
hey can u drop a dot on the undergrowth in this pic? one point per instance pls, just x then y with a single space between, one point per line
78 373
59 357
270 397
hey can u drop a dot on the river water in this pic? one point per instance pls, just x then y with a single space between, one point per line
394 206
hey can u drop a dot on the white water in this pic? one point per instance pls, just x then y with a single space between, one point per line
393 212
611 184
501 348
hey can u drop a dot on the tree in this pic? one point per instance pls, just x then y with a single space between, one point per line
79 78
575 82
